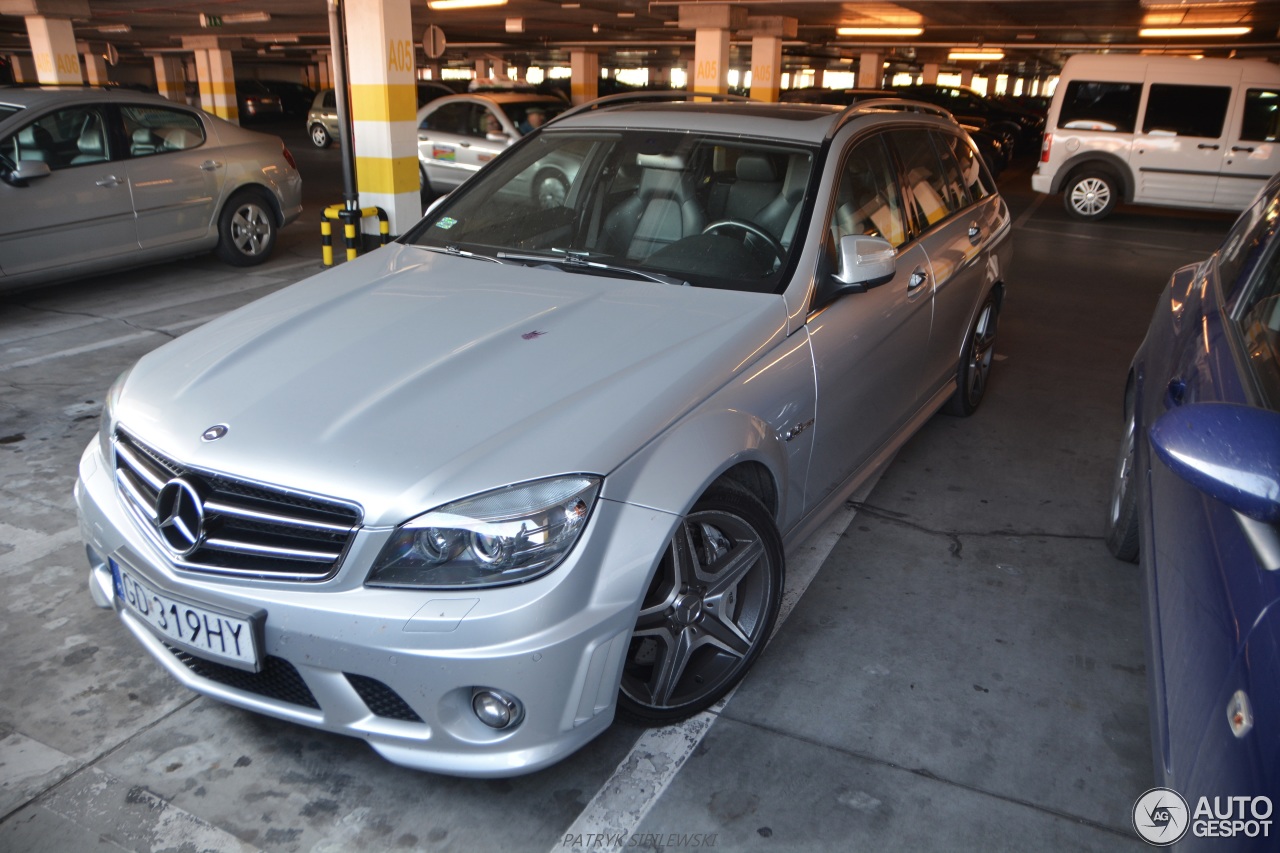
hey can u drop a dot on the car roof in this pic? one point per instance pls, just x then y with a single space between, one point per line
785 122
39 96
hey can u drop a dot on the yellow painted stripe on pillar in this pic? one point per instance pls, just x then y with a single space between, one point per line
229 112
219 87
390 102
387 175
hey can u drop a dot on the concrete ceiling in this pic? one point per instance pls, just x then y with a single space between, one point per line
1036 35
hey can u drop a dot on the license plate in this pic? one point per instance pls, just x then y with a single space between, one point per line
199 630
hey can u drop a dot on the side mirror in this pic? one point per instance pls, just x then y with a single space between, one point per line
495 136
1227 451
865 262
27 170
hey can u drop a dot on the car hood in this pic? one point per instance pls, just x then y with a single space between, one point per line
407 379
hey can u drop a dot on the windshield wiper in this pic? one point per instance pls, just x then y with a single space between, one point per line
451 249
574 260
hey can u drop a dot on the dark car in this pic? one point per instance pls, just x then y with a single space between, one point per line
295 98
1197 499
965 103
996 148
256 101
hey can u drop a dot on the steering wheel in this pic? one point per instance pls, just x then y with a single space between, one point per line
752 230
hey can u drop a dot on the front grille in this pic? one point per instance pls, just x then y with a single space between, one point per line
248 529
278 679
381 699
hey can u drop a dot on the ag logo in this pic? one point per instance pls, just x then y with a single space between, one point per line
1160 817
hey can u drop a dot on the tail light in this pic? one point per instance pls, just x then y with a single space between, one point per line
288 158
1044 148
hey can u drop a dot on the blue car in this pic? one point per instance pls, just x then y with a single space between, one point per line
1196 500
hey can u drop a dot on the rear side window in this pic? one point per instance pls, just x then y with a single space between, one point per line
928 190
1178 110
155 130
1090 105
1261 115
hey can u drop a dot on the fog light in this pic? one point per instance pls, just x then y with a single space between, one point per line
496 709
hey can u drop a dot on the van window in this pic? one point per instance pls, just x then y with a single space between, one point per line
1089 105
1177 110
1261 115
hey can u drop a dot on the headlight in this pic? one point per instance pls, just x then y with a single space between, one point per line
107 422
500 537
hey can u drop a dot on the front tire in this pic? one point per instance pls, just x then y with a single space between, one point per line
1091 195
246 229
1122 512
708 612
320 137
974 370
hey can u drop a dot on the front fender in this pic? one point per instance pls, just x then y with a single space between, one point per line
747 421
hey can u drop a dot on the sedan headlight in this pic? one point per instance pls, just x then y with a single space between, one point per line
500 537
107 422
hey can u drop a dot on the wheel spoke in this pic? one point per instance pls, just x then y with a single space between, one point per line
725 634
667 674
684 556
731 568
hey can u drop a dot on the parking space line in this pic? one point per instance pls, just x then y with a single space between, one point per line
1210 238
648 769
80 350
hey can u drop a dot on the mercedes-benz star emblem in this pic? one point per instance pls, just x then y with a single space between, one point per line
180 516
214 432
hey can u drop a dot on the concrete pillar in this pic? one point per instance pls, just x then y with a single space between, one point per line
24 69
324 70
929 75
712 24
870 71
659 75
966 78
53 45
584 81
384 106
767 34
482 68
170 81
498 69
95 65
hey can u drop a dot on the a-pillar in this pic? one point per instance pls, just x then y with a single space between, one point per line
384 106
712 25
929 74
767 34
53 44
216 74
584 81
170 81
870 71
95 65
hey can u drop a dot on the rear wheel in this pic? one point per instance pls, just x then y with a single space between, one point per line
708 612
1091 195
975 364
246 229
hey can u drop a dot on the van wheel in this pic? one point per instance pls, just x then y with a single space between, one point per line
246 229
708 612
1091 195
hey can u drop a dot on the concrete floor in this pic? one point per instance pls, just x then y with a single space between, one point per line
964 671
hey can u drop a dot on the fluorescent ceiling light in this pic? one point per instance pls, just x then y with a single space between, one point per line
515 25
626 14
1192 32
440 5
246 18
879 31
979 55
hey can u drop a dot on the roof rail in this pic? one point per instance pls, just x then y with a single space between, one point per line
641 97
887 105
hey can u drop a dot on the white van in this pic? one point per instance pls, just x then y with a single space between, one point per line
1170 131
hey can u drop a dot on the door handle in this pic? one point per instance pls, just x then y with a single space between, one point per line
1246 148
918 278
975 232
108 181
1208 146
210 165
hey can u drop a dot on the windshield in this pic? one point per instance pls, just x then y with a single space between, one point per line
663 205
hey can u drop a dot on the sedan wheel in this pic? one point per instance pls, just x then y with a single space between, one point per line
708 612
246 230
319 136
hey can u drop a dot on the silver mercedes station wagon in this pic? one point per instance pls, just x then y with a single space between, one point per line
474 494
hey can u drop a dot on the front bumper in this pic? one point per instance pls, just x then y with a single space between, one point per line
556 643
